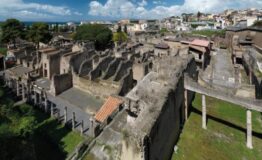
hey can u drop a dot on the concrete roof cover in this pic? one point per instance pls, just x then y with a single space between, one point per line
43 83
20 70
83 100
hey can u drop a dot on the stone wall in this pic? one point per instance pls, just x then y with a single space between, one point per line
61 83
112 67
257 81
122 70
256 36
77 60
166 123
51 65
161 52
101 88
65 63
139 70
126 83
166 130
85 67
101 68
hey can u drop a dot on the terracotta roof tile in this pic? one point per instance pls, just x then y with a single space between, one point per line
202 43
111 104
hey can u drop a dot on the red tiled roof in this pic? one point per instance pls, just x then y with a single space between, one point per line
111 104
202 43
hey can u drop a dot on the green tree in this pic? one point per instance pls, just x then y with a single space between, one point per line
120 37
100 34
27 126
11 29
39 32
63 28
257 24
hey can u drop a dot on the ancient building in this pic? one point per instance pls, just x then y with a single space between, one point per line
71 81
149 125
245 45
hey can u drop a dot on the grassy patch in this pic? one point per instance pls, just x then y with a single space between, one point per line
225 137
27 133
258 73
210 33
66 139
3 51
89 157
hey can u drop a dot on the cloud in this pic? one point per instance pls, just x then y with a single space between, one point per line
136 9
21 9
142 3
159 2
113 8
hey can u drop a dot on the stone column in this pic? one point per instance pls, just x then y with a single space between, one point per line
17 88
82 127
234 60
203 63
65 115
23 92
46 105
249 130
73 121
4 63
52 109
204 125
92 127
35 99
41 100
28 91
9 83
250 77
186 104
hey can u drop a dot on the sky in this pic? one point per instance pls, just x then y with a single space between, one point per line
80 10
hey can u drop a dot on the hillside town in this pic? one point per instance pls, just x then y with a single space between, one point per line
129 88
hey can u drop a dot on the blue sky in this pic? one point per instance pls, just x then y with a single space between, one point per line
77 10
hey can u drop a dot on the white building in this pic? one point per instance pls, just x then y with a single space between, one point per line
252 19
182 27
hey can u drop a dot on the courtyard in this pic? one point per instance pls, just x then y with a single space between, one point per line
225 137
